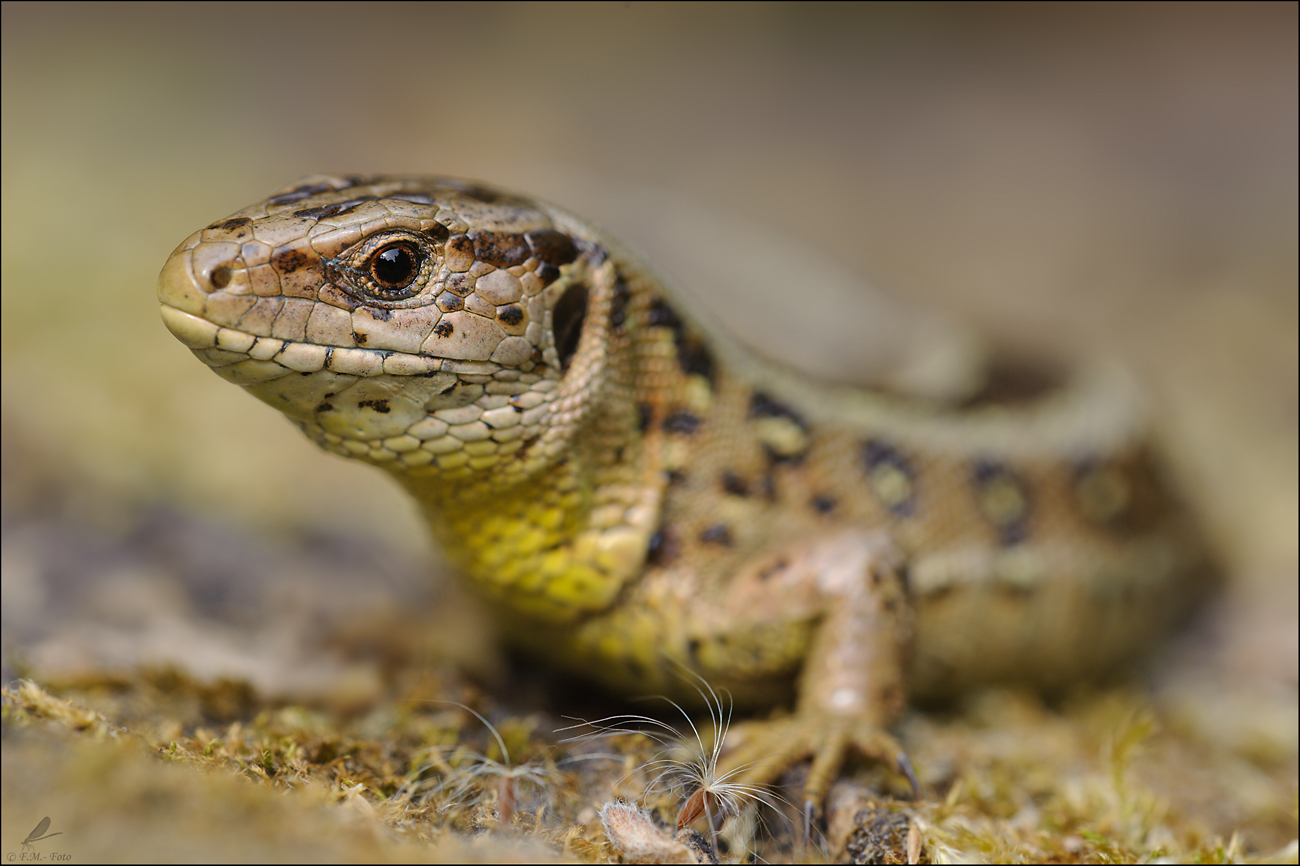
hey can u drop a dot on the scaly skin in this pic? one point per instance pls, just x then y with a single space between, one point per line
635 493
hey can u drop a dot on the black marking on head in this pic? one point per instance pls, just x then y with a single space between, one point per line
449 302
1003 499
298 193
436 232
380 406
417 198
547 273
594 253
566 321
502 249
444 329
675 477
718 533
324 406
734 484
682 422
360 339
484 194
233 223
459 284
288 261
551 246
339 207
511 314
645 414
890 477
823 504
461 244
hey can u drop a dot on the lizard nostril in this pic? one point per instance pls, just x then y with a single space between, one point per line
219 277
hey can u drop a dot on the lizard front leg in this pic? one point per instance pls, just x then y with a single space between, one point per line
851 687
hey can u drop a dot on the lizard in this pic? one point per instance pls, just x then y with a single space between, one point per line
635 492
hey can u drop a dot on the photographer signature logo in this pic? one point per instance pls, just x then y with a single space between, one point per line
39 834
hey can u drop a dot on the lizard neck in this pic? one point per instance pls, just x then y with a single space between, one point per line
558 538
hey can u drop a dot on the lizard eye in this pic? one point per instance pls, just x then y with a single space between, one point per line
393 268
389 268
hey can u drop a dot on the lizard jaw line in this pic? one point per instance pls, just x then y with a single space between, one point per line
244 358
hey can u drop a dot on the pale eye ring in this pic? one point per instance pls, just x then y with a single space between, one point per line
389 269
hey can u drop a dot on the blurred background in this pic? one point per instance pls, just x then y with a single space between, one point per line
1066 177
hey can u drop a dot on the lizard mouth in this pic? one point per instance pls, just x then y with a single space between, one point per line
352 394
246 359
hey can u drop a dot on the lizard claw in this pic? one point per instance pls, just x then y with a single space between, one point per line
767 749
904 767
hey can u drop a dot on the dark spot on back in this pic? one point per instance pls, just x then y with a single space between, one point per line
991 478
444 329
360 339
880 457
694 358
734 484
718 533
682 422
502 249
662 316
618 304
511 315
663 547
823 504
763 406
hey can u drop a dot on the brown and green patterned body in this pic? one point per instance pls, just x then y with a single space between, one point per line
634 492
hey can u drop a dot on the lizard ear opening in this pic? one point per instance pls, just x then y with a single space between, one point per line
566 321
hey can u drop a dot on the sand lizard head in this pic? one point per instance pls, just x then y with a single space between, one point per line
431 326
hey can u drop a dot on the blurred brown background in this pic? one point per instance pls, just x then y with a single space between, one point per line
1074 177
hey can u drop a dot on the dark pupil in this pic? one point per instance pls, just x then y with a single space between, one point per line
394 267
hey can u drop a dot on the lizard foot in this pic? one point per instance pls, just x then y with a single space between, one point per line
764 750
